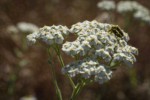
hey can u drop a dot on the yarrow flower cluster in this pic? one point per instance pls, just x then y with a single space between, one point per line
88 67
30 97
49 35
97 48
139 11
99 45
24 27
142 13
27 27
106 5
126 6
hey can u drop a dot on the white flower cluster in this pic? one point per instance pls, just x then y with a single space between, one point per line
32 38
127 6
102 44
49 35
30 97
22 27
142 13
88 67
106 5
138 10
27 27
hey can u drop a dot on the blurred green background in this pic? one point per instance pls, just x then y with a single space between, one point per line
24 71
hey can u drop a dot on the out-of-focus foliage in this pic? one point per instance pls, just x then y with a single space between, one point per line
24 71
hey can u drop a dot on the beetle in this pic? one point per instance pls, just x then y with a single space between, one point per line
117 31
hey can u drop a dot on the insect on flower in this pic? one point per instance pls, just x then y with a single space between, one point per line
117 31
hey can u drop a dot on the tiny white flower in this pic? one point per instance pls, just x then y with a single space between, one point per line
103 74
110 49
126 6
134 50
28 98
103 54
27 27
32 38
106 5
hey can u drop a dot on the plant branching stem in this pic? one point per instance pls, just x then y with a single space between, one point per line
78 89
63 65
58 92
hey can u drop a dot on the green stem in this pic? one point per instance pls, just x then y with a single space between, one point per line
133 78
11 85
76 91
58 92
24 42
78 88
63 65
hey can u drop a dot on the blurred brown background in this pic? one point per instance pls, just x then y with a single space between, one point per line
26 72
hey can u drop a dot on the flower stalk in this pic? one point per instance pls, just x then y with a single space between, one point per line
57 50
58 92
